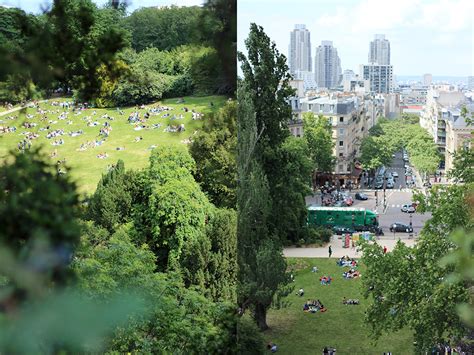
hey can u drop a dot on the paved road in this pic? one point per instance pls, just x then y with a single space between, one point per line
394 200
338 250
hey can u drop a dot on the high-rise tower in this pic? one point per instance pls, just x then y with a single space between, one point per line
299 51
379 52
327 66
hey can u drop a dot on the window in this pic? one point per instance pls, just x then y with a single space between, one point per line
341 131
341 154
341 167
341 143
341 119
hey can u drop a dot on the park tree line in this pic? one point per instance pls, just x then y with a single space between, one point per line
112 58
149 238
389 136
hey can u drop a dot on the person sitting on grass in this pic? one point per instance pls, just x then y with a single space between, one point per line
300 292
272 347
325 280
350 301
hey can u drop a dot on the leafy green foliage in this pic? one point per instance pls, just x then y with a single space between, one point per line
318 135
214 150
391 135
262 268
294 164
410 287
37 213
163 28
111 203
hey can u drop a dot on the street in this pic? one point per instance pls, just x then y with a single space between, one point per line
394 198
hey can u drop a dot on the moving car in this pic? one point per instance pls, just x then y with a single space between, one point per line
390 184
408 208
361 196
394 174
401 227
379 185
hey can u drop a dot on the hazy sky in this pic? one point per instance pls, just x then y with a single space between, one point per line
425 36
35 5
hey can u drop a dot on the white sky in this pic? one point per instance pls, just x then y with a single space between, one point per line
426 36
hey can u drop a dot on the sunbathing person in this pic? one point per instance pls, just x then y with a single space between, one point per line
350 301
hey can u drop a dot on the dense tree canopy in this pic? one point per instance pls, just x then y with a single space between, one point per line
214 150
412 287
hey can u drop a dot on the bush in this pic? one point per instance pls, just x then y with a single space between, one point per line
250 339
314 235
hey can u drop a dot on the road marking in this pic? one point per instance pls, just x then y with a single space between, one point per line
393 206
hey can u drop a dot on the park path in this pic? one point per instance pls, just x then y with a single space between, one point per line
18 108
338 250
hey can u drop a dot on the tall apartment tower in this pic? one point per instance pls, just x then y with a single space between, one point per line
427 79
327 66
299 51
379 50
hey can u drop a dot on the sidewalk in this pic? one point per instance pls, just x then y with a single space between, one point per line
4 113
338 250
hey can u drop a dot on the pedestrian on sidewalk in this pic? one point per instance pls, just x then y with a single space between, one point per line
330 251
385 250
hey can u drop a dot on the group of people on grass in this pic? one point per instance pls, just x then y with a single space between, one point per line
351 274
325 280
346 261
313 306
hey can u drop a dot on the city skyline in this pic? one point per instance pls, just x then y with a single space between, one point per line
425 36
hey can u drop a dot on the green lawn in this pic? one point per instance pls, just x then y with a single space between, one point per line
84 166
341 326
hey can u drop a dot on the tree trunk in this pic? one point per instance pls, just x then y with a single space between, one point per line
260 316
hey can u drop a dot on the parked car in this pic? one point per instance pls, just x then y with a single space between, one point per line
427 184
379 185
394 174
361 196
401 227
390 185
340 230
408 208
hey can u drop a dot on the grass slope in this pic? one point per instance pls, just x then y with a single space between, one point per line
341 326
84 166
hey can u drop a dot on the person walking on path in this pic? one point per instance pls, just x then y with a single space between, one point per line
330 251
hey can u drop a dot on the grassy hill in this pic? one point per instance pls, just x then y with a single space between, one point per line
341 326
84 166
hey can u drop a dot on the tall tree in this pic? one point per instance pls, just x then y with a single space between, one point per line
318 135
262 268
266 76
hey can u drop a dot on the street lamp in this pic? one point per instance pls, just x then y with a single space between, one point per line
384 186
411 216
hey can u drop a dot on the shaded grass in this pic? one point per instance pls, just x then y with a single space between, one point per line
84 166
341 327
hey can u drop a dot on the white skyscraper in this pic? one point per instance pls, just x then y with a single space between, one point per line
327 66
299 51
427 79
379 50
